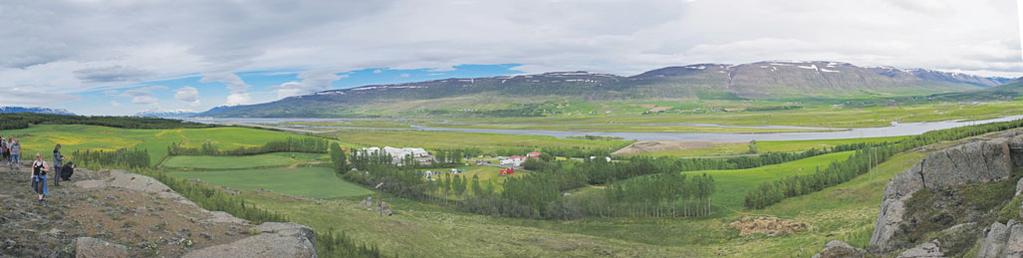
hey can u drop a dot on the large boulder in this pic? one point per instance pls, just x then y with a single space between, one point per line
87 247
1002 240
975 162
274 239
839 249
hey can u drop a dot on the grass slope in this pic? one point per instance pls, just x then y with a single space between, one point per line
42 138
279 159
314 182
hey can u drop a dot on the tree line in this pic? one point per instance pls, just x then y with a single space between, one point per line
308 145
861 162
24 120
660 195
120 158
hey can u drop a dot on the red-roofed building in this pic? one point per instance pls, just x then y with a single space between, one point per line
534 155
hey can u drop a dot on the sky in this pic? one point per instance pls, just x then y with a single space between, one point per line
121 57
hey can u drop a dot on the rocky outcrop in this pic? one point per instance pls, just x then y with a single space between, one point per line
975 162
273 240
925 250
839 249
136 182
87 247
1002 240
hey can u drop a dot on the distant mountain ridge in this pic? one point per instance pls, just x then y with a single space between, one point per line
760 80
167 114
38 110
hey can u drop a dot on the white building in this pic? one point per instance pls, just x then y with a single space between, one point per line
398 155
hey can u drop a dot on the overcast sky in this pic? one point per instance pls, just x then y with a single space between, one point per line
122 57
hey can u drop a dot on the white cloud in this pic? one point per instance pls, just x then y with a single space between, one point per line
143 95
77 46
187 94
237 88
311 81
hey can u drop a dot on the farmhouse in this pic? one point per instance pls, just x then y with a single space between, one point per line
513 161
398 155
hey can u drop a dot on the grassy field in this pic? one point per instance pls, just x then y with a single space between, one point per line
279 159
732 149
313 182
718 112
488 176
458 140
844 212
42 138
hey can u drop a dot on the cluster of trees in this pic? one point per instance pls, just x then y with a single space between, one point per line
859 163
448 158
338 159
660 195
24 120
307 144
330 244
120 158
375 170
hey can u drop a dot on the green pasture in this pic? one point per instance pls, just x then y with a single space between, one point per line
42 138
313 182
733 149
279 159
459 140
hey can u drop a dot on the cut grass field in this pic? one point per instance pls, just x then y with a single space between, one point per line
709 149
42 138
714 112
459 140
280 159
312 182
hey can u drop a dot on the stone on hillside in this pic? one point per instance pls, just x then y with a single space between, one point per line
275 239
839 249
86 247
925 250
993 244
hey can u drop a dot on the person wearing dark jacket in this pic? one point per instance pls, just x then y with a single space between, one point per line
58 161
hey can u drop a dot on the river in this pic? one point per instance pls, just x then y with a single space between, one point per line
902 129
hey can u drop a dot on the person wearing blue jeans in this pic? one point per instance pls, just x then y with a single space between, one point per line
39 170
15 154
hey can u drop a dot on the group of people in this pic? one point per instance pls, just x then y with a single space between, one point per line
10 150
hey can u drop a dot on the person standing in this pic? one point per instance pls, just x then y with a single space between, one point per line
39 170
58 161
15 154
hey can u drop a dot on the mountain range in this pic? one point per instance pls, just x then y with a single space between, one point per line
754 81
38 110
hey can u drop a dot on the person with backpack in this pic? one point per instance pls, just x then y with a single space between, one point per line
58 160
39 170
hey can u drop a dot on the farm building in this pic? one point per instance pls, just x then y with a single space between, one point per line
534 155
513 161
398 155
